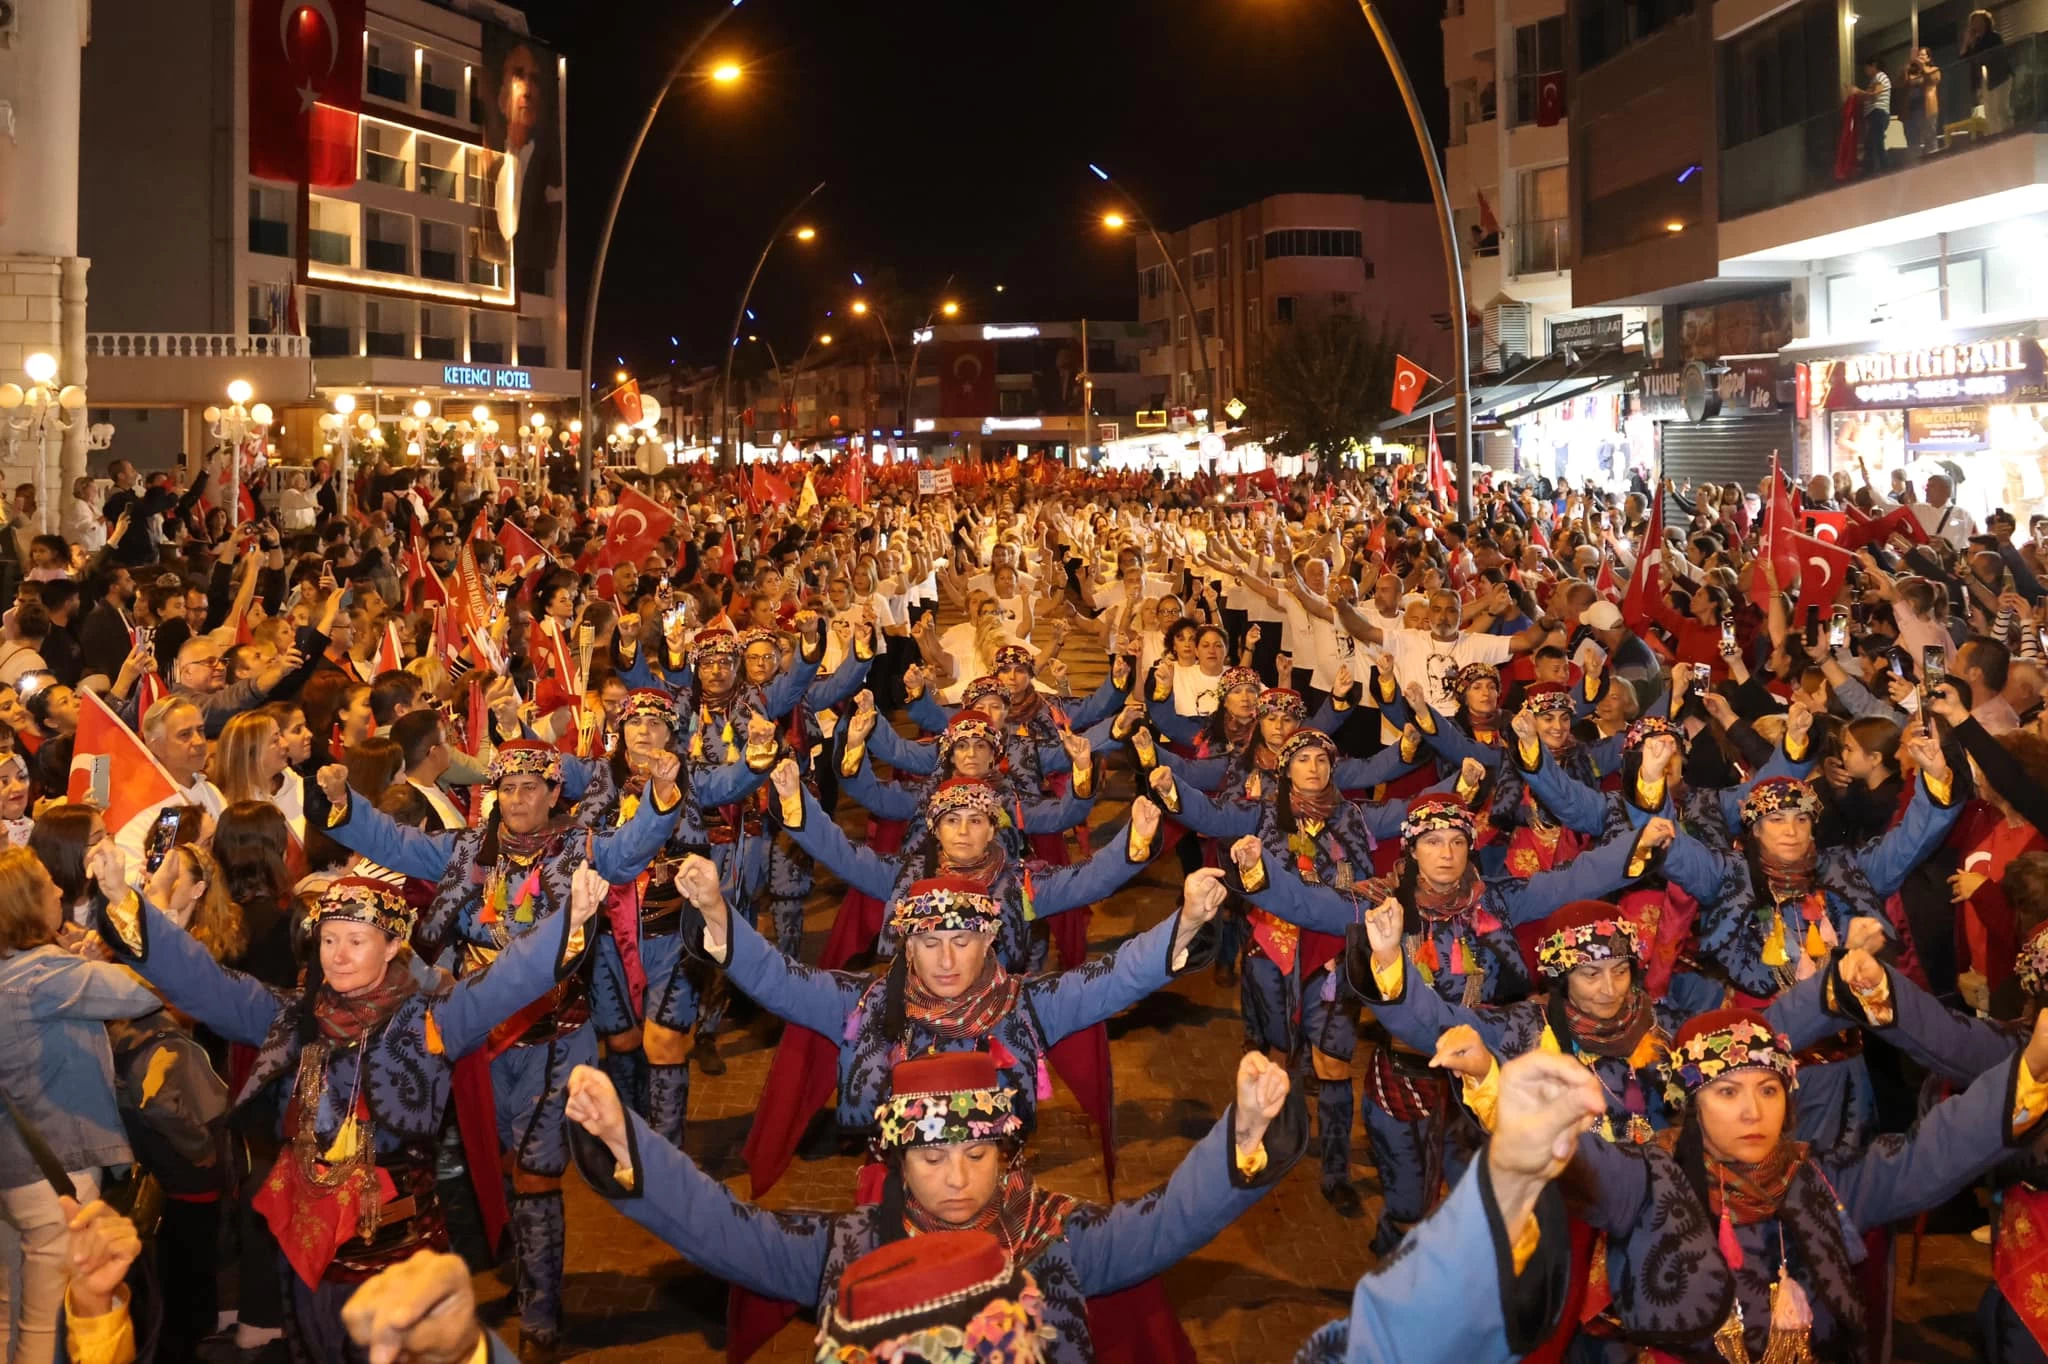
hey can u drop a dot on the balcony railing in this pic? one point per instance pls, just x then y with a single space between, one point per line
440 348
488 352
532 356
330 340
441 265
1542 246
269 237
1976 100
387 84
393 258
330 248
384 170
438 181
438 99
192 345
484 273
387 344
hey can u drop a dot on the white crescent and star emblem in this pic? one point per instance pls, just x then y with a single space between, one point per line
963 360
287 13
1827 571
1975 859
1406 379
619 523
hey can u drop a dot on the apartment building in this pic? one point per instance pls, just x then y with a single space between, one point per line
404 287
1863 292
1286 258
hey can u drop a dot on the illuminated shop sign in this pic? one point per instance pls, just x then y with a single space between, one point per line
486 376
1968 371
1007 333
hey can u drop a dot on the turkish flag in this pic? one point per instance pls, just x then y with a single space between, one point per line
1823 570
1897 521
769 488
1824 525
626 397
1409 379
1439 474
520 548
857 481
473 597
1646 585
390 655
111 768
1775 540
637 525
1607 585
305 90
1549 99
967 378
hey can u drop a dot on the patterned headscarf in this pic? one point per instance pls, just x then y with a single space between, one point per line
647 703
1583 931
963 794
1428 814
1717 1043
943 1297
1234 678
980 689
947 904
940 1100
358 899
1474 672
749 638
1546 697
714 644
969 726
526 756
1304 739
2032 966
1779 795
1650 727
1283 702
1015 656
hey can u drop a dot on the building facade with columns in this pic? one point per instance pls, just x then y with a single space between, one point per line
402 289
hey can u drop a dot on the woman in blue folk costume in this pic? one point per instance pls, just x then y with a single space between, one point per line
952 1146
1287 983
364 1055
498 882
1782 1280
645 992
1459 928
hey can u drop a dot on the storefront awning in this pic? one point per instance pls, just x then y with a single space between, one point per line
1553 378
1986 328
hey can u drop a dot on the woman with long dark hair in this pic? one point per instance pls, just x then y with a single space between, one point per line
65 835
251 844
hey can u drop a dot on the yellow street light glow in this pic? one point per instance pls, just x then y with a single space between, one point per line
480 414
826 339
1113 221
950 308
344 403
860 309
725 73
804 234
422 409
1674 226
239 391
622 376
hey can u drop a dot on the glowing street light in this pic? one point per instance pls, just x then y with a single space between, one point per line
726 73
1113 221
950 308
804 234
825 339
860 308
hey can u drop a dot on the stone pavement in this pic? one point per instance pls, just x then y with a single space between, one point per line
1252 1295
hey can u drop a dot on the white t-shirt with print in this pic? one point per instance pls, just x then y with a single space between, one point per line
1420 658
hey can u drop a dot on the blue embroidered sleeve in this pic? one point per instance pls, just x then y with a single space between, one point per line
862 868
1105 986
522 973
1452 744
1589 876
1057 816
1178 728
1362 774
1700 871
238 1007
900 753
1318 908
796 993
1206 773
780 697
829 692
1083 883
885 800
726 784
1890 857
1104 702
1214 819
382 839
622 853
1574 804
926 713
1956 1141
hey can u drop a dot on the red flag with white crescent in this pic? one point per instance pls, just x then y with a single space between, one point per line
1409 380
1823 569
1607 585
111 768
520 548
1779 523
637 526
1646 586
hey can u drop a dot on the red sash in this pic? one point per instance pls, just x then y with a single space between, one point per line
2020 1265
311 1223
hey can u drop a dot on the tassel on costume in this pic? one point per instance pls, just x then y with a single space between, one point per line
1774 944
1731 1249
1814 946
1458 962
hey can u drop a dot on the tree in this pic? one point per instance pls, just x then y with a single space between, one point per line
1323 383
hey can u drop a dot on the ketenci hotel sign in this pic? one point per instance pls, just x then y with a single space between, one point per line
1972 371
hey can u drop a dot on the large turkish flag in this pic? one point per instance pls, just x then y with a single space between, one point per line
967 379
636 528
305 90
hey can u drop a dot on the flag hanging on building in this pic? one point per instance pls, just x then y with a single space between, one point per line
1409 381
305 90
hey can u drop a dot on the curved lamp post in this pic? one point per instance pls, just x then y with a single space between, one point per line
725 74
1116 222
802 234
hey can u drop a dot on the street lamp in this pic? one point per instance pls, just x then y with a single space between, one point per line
859 308
1116 222
42 400
725 73
233 427
917 340
950 308
611 214
337 424
825 338
802 234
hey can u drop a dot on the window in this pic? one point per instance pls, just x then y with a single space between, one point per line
1539 55
483 271
490 339
331 231
270 221
1015 402
440 84
387 242
387 328
1251 255
1223 261
386 152
1606 27
1637 213
1205 322
1253 318
533 279
1780 73
1283 309
1368 268
262 320
330 323
440 168
533 342
440 333
1152 281
386 72
1180 329
1312 241
1542 239
1205 268
440 251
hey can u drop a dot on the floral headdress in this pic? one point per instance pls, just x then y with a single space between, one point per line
358 899
647 703
1427 814
969 726
963 794
528 756
979 690
1474 672
947 904
2032 966
1546 697
1583 931
1714 1044
1234 678
1283 702
749 638
1650 727
939 1100
1015 656
1779 795
1304 739
714 644
946 1297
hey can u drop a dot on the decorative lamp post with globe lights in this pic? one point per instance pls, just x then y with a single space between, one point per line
235 426
40 404
336 425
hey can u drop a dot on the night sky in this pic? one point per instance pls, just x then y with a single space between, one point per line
954 136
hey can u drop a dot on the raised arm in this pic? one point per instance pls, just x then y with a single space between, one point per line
812 830
799 994
238 1007
362 828
531 964
1890 857
780 697
1212 819
1083 883
620 854
886 800
1083 996
1570 801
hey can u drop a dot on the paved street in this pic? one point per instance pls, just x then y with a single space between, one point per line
1251 1295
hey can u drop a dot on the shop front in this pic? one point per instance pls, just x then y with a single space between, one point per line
1717 421
1976 410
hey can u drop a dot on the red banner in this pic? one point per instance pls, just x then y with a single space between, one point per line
305 90
636 528
967 378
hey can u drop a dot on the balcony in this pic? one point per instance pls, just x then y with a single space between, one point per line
438 181
268 237
441 265
1531 104
1976 104
440 348
485 274
387 84
439 99
393 258
330 341
1542 246
394 344
330 248
489 353
196 367
533 356
384 170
